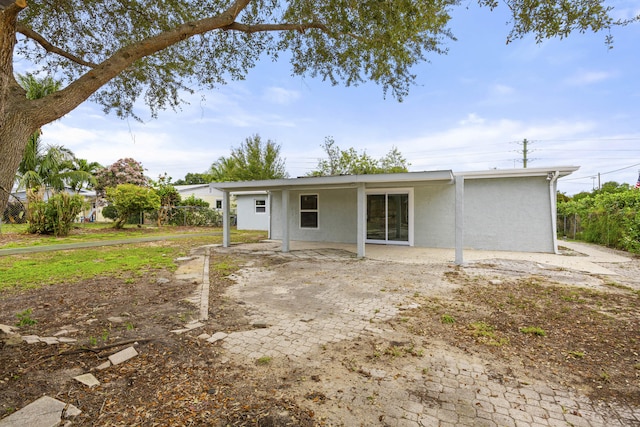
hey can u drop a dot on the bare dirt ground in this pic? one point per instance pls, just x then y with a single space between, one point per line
584 334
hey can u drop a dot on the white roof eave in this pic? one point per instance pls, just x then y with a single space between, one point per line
518 173
334 181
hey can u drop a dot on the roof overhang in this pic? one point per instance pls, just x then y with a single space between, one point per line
388 180
519 173
340 181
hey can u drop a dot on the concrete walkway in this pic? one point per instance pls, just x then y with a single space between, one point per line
588 261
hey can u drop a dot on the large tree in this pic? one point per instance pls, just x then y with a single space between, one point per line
253 160
116 51
350 162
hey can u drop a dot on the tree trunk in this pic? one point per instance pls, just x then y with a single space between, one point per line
14 135
14 126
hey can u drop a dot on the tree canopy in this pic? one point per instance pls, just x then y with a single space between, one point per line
117 52
350 162
123 171
253 160
192 178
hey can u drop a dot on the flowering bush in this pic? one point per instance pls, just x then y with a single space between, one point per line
124 171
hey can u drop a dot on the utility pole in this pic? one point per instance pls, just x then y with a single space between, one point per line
525 152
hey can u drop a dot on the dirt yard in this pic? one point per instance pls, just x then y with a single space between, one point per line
517 319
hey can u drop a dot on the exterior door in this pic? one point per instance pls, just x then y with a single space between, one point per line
388 218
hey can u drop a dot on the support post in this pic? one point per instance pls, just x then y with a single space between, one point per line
285 220
226 223
459 219
362 220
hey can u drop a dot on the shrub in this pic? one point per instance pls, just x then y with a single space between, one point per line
56 215
129 199
194 201
110 212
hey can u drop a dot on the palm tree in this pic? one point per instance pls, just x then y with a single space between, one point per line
50 167
38 87
82 174
39 166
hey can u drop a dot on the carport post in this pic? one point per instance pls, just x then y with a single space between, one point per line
285 220
459 220
226 229
362 219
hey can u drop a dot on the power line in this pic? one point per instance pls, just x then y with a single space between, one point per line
603 173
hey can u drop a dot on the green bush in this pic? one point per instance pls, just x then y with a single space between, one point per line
611 219
56 215
196 216
110 212
194 201
129 199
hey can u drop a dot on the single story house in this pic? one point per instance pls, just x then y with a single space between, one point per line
201 191
253 210
509 210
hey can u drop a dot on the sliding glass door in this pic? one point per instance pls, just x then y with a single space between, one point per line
388 217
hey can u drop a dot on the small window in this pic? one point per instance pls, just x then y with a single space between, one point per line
308 211
218 204
261 206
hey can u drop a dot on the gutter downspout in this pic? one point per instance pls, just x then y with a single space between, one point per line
553 178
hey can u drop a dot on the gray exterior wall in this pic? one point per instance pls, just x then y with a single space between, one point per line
434 216
337 220
246 216
509 214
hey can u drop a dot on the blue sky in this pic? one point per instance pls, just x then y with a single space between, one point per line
577 101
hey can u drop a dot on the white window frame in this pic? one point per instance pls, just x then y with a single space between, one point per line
388 191
218 202
316 210
262 206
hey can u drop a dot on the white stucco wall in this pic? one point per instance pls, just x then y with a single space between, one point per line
434 216
510 214
247 217
336 218
201 191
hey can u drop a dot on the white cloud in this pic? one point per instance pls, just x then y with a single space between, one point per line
281 96
502 90
471 119
478 143
585 77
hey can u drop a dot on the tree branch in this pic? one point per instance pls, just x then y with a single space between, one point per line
29 33
249 29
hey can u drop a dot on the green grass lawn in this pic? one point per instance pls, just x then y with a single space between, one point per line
16 236
27 271
40 269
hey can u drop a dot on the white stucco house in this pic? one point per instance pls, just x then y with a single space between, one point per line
253 210
510 210
201 191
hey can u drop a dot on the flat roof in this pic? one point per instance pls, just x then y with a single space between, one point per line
390 179
335 181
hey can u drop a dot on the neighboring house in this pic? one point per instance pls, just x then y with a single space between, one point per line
510 210
201 191
92 212
253 210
